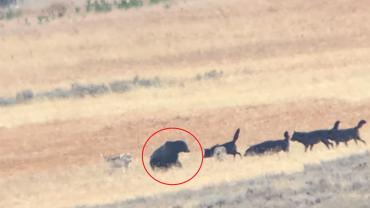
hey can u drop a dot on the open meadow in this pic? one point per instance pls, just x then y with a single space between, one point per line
89 84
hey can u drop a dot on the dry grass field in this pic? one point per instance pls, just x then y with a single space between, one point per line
287 65
340 183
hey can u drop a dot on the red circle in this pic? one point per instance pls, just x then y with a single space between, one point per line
164 129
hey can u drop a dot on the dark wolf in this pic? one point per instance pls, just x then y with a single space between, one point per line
345 135
230 147
309 139
271 146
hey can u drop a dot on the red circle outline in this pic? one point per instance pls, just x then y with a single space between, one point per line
164 129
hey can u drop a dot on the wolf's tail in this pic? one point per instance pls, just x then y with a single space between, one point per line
236 135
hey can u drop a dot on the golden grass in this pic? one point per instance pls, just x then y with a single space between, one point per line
270 53
239 87
92 184
191 36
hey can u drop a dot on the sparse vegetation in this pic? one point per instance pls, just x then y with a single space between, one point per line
42 19
77 10
24 96
58 10
127 4
57 93
78 90
140 82
213 74
104 6
7 101
328 183
89 6
120 86
11 14
157 1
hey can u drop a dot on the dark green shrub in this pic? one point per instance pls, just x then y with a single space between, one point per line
89 6
41 19
123 4
156 1
102 6
98 6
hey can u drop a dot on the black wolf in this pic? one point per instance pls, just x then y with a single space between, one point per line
271 146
